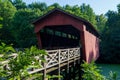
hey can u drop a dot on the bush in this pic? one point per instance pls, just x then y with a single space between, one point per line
18 66
92 72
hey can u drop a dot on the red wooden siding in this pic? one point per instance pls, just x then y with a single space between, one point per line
91 46
58 18
89 41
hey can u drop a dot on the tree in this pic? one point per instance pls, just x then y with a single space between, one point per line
111 38
76 11
7 11
19 4
88 14
101 23
22 28
51 7
56 5
0 21
67 7
0 18
118 7
84 11
38 5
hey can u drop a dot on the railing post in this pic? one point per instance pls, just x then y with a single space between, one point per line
68 62
79 56
44 71
68 70
74 56
59 64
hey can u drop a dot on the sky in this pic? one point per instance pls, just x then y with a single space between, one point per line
98 6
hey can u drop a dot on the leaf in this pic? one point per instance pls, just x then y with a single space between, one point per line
9 48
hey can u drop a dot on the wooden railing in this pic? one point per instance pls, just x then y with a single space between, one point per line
58 58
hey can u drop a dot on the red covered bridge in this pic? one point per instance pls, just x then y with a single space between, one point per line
61 31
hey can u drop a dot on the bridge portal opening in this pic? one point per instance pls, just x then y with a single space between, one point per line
55 37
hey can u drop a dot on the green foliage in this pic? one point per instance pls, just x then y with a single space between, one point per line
5 51
7 11
118 7
56 5
6 48
112 76
22 29
88 14
26 59
53 77
101 22
91 72
84 11
18 66
38 5
19 4
37 76
110 40
0 22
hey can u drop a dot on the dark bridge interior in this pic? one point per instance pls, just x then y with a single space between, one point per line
54 37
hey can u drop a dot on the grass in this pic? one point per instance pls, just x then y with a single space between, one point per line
106 68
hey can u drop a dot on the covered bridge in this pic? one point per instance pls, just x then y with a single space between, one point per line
59 29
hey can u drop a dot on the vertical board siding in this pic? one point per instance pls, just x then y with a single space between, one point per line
91 46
